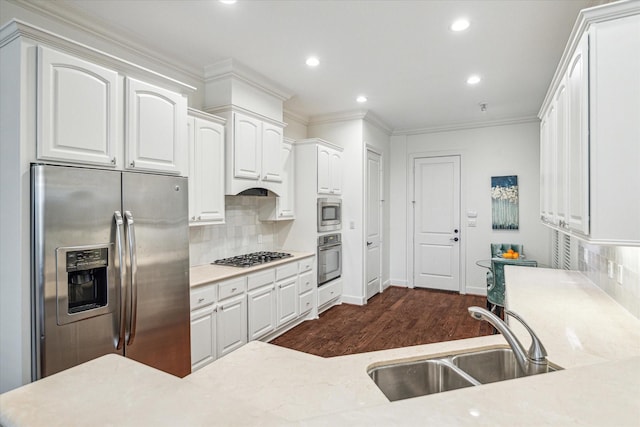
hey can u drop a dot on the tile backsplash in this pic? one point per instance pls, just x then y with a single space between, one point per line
594 260
239 235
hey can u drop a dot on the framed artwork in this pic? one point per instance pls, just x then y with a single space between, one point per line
504 202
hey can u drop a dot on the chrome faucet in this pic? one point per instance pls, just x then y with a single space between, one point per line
531 362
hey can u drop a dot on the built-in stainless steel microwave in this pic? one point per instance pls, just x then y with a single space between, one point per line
329 214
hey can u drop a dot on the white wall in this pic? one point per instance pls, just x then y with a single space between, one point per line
485 152
594 266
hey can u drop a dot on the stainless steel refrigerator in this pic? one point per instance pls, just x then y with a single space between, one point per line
111 268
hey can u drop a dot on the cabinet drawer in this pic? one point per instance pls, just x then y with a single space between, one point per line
306 302
306 264
262 278
231 287
329 292
286 270
306 282
203 296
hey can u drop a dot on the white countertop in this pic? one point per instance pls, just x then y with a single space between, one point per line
584 331
203 274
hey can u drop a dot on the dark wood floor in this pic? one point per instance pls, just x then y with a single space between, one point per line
398 317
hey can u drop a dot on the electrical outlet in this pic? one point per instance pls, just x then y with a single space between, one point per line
620 274
610 269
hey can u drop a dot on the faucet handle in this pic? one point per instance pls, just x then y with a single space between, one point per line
537 352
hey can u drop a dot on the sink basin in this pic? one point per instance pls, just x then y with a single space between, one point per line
402 380
411 379
488 366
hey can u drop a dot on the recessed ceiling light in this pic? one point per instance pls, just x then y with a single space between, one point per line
473 80
460 25
312 61
227 1
361 99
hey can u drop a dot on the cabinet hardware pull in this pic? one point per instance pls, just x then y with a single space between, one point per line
113 161
200 299
132 164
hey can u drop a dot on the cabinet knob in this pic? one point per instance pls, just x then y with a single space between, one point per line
199 217
200 299
132 164
233 289
113 161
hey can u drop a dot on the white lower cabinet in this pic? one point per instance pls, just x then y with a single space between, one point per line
329 293
203 338
203 326
287 300
232 315
261 305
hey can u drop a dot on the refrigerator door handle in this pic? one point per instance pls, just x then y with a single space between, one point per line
131 237
123 297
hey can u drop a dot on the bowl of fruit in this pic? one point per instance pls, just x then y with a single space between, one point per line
510 254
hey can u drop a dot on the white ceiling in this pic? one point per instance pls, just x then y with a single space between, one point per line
399 53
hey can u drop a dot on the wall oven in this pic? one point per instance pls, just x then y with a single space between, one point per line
329 214
329 258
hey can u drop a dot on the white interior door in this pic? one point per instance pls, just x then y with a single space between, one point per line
373 223
436 201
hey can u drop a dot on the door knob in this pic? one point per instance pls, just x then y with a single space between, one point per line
369 243
455 239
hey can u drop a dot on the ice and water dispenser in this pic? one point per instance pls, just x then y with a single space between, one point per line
83 282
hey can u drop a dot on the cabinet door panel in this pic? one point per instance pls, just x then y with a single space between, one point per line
246 147
271 153
77 110
287 300
335 170
324 180
155 128
209 170
577 141
203 349
232 325
262 312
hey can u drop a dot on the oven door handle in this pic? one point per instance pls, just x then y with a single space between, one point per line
327 247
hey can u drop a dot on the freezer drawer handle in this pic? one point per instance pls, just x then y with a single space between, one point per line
131 235
123 296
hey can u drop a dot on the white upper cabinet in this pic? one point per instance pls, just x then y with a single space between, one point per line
254 149
589 143
155 123
577 146
329 170
206 170
89 114
282 208
77 110
272 168
247 147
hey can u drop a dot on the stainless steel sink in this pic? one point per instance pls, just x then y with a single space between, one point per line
488 366
402 380
411 379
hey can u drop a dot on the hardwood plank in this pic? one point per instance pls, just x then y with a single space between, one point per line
398 317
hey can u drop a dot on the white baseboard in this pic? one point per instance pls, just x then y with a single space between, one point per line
349 299
476 290
398 282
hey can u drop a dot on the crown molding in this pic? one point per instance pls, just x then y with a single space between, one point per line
296 117
61 13
236 108
465 126
231 68
345 116
16 28
206 116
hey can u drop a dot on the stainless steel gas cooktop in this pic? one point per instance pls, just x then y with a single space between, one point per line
249 260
